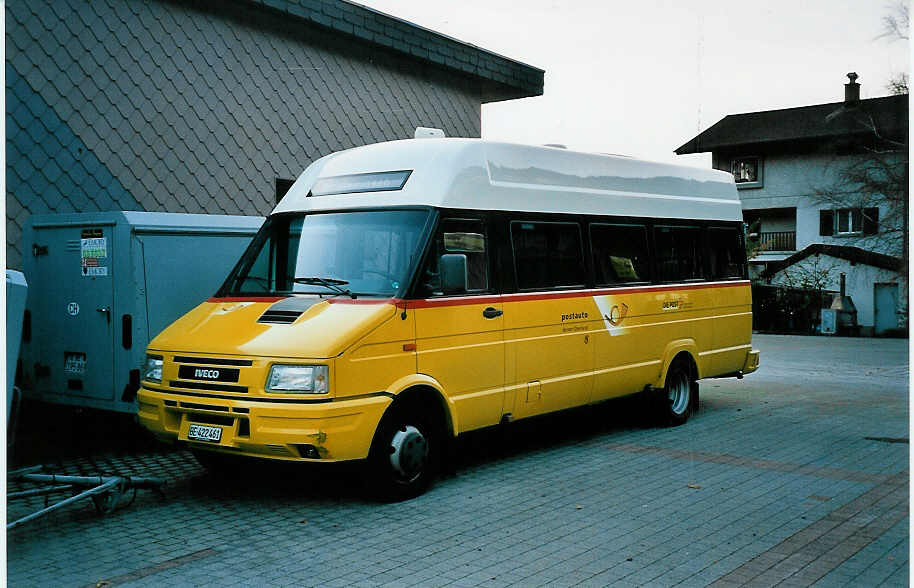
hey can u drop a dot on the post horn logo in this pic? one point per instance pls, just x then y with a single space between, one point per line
617 314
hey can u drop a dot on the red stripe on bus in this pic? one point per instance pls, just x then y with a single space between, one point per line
521 297
329 300
394 301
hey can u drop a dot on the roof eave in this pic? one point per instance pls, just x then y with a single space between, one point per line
845 252
728 126
503 78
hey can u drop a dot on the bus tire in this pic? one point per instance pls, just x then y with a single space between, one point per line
677 399
405 454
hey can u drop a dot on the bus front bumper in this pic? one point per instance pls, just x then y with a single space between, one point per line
338 430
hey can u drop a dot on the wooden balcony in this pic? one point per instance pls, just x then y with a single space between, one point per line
775 241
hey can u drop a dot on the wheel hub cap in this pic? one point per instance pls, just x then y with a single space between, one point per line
408 452
679 395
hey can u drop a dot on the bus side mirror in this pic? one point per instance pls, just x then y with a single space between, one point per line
453 270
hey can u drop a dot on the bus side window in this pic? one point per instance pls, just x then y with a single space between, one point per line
727 255
619 253
464 237
547 255
678 253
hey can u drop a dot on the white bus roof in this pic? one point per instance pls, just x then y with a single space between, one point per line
487 175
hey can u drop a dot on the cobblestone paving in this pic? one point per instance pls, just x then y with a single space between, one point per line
795 476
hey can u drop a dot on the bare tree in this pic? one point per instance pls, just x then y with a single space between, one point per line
897 23
876 179
813 273
898 84
896 26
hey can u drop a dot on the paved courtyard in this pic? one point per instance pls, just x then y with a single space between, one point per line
795 476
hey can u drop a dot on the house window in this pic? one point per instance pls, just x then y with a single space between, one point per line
850 220
747 171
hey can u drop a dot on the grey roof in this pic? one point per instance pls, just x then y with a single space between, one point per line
887 115
503 78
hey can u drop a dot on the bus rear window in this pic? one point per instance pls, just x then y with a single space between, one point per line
727 257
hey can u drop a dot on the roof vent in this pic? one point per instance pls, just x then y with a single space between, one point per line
852 89
428 133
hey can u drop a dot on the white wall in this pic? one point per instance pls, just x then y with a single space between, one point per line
859 282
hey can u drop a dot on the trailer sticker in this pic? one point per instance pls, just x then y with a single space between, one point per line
93 253
74 363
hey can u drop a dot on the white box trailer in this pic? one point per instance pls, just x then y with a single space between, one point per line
101 285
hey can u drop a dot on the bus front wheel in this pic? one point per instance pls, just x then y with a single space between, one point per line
405 454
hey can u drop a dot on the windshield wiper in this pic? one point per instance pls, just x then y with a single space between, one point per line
329 283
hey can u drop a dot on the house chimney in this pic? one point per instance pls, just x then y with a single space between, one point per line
852 89
843 278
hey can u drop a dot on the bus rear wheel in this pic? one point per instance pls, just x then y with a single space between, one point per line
676 400
405 454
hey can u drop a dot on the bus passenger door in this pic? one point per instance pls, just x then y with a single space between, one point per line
550 348
459 337
548 330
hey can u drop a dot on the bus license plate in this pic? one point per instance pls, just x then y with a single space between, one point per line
202 433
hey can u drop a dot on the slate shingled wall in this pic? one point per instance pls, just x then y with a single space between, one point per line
167 106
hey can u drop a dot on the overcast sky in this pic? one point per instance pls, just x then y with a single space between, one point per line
641 78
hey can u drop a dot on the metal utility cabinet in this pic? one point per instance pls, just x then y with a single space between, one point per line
16 288
101 285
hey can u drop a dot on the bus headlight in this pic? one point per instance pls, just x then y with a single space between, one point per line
295 379
152 369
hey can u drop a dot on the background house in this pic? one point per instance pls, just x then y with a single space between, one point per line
824 192
214 107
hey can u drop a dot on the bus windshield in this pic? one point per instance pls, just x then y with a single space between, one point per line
358 253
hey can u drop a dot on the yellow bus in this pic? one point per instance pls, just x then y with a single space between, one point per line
406 292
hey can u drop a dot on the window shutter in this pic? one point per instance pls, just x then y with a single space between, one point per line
826 222
870 221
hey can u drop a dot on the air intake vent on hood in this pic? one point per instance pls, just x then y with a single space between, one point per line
279 317
287 310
